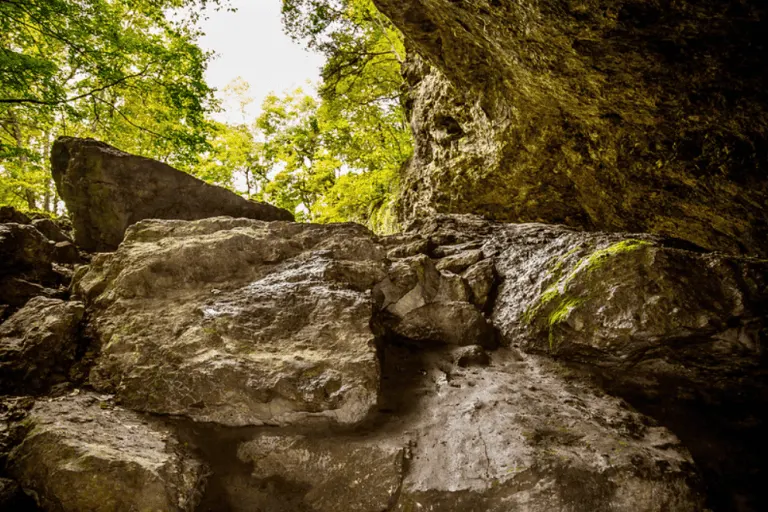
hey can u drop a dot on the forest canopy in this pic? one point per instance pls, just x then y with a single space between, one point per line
132 74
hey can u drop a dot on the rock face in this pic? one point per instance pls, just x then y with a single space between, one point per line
27 266
642 315
107 190
333 474
462 366
617 115
423 304
516 436
39 344
103 459
237 321
646 319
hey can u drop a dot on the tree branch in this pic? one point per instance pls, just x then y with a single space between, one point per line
75 98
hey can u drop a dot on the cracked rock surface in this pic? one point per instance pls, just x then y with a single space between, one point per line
238 322
611 115
81 453
465 365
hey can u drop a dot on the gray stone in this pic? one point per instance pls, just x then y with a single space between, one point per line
459 262
237 321
107 190
480 278
51 231
471 356
523 435
25 252
66 253
81 453
333 474
423 304
38 345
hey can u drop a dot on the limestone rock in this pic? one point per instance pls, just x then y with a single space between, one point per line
480 278
26 269
618 115
333 473
51 231
423 304
237 321
678 333
24 251
459 262
107 190
80 453
66 253
15 292
471 356
522 435
616 301
38 344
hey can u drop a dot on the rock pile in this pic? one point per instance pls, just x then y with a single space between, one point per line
235 364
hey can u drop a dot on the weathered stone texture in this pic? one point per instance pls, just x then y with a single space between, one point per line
237 321
107 190
81 453
38 345
617 115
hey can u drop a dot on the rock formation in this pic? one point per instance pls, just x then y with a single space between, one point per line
82 453
614 115
237 322
243 362
236 365
107 190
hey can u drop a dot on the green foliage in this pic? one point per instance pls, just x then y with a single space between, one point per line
132 75
124 72
333 156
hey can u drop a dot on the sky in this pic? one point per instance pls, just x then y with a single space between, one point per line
250 43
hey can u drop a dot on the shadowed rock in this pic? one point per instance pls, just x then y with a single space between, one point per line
38 345
617 115
107 190
104 459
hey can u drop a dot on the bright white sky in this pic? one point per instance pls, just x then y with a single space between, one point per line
250 43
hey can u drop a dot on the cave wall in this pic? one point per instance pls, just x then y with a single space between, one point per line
634 115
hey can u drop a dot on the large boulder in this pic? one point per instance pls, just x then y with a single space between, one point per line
677 331
681 334
39 344
618 115
518 435
81 453
107 190
238 321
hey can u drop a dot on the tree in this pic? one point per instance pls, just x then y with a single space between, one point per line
126 72
361 118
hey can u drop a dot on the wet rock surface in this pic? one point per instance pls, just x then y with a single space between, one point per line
614 115
462 366
238 322
107 190
82 453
